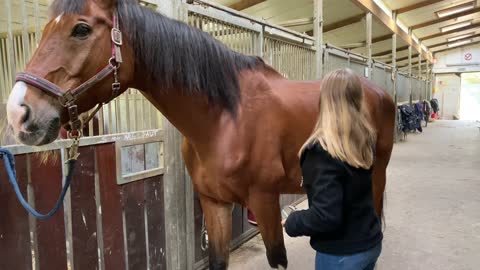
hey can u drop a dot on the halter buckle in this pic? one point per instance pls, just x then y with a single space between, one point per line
116 86
67 99
116 35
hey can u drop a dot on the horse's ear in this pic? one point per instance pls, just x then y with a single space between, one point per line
106 4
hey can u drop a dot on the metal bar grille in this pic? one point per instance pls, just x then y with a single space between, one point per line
292 59
24 23
295 62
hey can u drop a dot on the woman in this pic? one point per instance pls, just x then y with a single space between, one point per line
336 165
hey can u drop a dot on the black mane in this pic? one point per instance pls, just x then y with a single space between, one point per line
175 54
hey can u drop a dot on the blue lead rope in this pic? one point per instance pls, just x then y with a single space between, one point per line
9 161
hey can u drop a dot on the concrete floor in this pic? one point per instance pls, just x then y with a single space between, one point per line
432 208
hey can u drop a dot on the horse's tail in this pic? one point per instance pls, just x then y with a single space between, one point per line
385 140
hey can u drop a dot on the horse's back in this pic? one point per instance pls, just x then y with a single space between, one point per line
300 108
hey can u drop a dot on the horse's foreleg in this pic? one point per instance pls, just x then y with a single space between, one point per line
266 208
218 218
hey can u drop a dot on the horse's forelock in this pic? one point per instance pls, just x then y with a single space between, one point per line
66 7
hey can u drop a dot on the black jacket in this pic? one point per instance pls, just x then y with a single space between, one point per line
341 218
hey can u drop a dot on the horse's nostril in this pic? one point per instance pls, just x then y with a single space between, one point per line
27 113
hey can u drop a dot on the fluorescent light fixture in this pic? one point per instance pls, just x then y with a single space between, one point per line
459 43
456 9
460 37
455 26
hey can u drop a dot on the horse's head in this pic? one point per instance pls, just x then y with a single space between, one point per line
76 45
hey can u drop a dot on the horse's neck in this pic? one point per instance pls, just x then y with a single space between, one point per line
200 122
190 114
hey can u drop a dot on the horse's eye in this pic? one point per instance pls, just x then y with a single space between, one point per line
81 31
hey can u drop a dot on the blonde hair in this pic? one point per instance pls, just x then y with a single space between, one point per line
343 127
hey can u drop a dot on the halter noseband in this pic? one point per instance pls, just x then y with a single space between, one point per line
68 98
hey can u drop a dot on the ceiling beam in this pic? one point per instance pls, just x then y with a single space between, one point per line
340 24
447 42
473 26
352 45
413 64
343 23
385 19
453 48
381 38
390 51
374 40
297 22
244 4
405 58
416 6
446 18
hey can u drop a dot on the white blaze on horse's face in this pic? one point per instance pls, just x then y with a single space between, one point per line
59 17
16 110
31 125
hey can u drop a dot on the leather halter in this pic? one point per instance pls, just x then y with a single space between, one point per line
69 97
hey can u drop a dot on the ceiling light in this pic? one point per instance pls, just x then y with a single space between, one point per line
456 9
455 26
460 37
459 43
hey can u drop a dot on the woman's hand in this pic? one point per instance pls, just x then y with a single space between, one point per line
283 222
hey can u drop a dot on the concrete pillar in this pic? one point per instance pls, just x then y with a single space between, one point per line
259 43
410 72
394 51
427 78
420 64
394 77
178 194
318 34
368 26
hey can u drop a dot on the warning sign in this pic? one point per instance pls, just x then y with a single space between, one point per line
468 56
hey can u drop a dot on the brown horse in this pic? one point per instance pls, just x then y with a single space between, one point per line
243 122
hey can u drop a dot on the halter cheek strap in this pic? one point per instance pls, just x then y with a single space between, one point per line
67 98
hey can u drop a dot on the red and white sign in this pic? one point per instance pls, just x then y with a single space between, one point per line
468 57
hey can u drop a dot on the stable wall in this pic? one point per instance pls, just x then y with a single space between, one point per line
466 59
447 69
447 91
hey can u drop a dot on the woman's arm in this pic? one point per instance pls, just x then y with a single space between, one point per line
322 175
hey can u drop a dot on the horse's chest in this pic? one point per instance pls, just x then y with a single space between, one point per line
221 187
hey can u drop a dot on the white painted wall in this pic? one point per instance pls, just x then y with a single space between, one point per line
447 84
470 97
448 94
466 59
